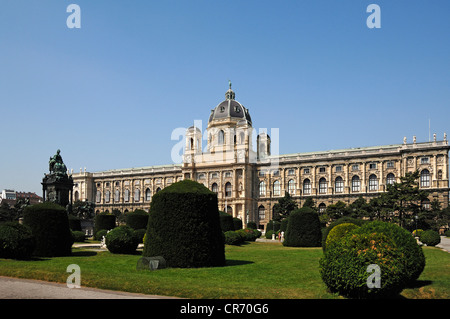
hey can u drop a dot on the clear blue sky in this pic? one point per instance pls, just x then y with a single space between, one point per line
110 94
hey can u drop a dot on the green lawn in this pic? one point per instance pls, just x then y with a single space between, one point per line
255 270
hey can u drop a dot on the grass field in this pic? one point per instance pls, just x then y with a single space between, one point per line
255 270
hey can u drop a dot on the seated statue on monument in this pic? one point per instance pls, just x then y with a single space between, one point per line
57 185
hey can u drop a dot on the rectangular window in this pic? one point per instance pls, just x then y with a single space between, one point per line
372 165
291 172
390 164
425 160
306 171
321 169
355 167
338 168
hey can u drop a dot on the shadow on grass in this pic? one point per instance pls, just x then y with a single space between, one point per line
234 262
419 284
81 253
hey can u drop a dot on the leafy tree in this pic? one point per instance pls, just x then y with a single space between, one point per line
309 202
6 213
359 208
405 197
284 207
337 210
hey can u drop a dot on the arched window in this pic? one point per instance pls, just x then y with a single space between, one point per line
261 212
228 189
137 195
339 185
322 208
77 196
242 137
98 197
425 178
439 174
356 184
373 182
229 210
158 189
291 187
215 188
126 195
322 186
221 137
107 196
306 187
262 188
117 196
148 194
192 144
390 179
276 188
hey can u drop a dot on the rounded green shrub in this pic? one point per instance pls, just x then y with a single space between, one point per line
78 236
407 245
122 240
303 229
345 266
342 220
184 227
104 221
49 225
137 219
16 241
248 234
430 237
338 232
232 238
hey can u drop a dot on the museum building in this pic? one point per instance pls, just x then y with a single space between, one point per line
249 180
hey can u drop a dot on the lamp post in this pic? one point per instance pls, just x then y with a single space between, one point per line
416 218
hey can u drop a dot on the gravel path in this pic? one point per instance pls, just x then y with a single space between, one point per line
14 288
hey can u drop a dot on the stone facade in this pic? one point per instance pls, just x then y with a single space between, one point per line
249 182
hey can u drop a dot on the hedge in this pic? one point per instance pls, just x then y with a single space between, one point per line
137 219
226 221
237 222
184 226
122 240
303 229
16 241
104 221
430 237
49 225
